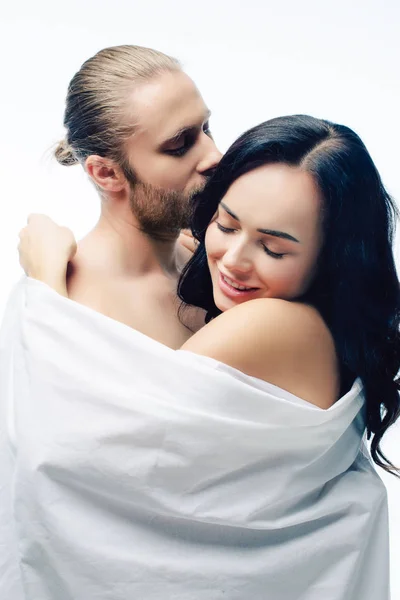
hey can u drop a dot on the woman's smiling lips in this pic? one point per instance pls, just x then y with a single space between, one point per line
234 289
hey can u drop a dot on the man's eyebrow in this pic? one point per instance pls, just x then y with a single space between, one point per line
273 232
185 129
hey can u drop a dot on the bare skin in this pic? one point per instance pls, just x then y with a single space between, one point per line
123 281
117 269
262 331
131 279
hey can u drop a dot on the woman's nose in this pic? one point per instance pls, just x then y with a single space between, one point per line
237 259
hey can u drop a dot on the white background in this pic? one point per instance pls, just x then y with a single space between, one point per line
252 60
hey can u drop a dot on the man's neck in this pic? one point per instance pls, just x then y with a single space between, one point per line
124 274
118 246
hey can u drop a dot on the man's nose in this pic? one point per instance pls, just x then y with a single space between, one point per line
211 157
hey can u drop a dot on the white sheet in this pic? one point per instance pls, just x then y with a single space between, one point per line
130 471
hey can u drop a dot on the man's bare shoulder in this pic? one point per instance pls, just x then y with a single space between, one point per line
148 304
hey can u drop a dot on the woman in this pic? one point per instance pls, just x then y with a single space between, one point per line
296 213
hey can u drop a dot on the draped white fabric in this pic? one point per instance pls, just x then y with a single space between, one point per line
131 471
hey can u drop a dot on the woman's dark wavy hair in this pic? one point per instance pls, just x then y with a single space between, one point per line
356 288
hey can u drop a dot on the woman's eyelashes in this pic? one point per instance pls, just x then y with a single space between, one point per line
187 141
273 254
265 248
224 229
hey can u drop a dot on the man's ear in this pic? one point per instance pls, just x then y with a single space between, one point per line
105 173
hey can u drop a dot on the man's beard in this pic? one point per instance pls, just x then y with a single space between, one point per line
161 213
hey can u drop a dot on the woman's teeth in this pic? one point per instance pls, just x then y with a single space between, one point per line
236 285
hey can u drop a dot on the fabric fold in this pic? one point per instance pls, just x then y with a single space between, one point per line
137 471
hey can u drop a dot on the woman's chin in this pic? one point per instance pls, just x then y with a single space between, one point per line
222 303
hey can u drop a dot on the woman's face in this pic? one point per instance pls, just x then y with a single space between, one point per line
264 240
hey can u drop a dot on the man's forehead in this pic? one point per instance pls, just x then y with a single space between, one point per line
168 104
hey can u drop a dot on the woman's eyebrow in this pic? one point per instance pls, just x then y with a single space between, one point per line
273 232
279 234
228 210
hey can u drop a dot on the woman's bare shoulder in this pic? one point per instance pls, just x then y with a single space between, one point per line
285 343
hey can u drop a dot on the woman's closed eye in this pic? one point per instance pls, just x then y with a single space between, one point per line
224 229
228 230
273 254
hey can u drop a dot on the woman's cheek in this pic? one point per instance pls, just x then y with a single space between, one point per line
285 280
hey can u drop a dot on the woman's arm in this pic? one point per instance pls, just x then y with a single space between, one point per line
45 250
284 343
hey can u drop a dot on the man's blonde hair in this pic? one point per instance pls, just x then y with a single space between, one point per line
96 116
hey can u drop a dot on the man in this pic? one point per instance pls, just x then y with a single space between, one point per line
140 128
